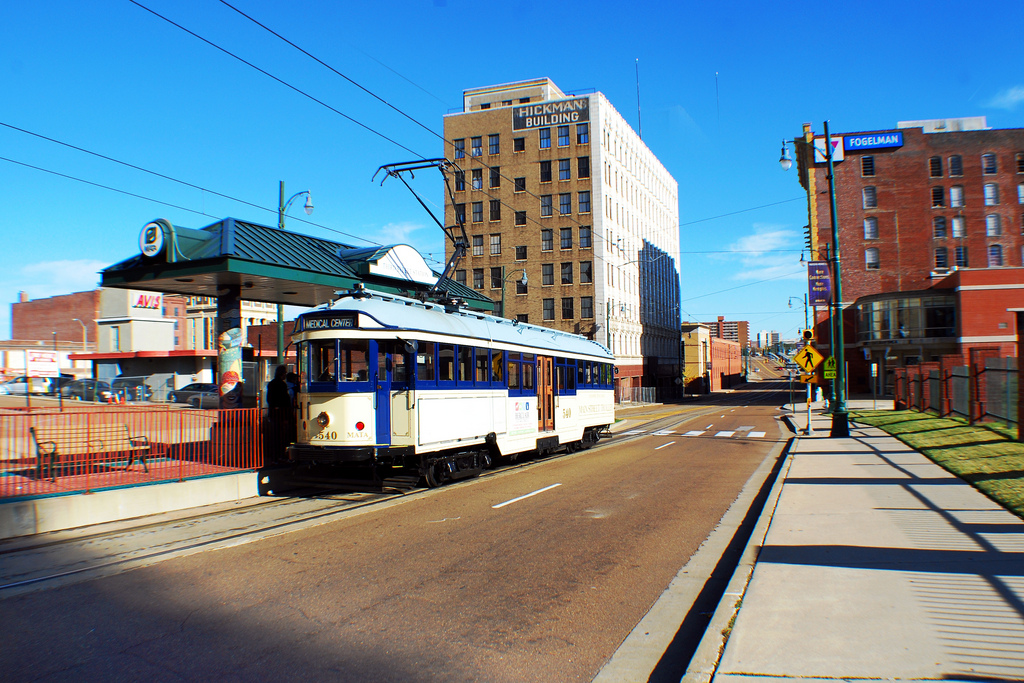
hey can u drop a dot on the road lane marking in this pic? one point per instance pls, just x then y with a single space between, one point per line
710 425
693 433
528 495
664 445
725 434
756 434
664 432
633 431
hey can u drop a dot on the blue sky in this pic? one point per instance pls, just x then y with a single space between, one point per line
112 78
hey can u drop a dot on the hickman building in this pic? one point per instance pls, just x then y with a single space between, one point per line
573 223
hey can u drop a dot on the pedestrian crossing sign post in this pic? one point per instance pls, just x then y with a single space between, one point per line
830 368
808 358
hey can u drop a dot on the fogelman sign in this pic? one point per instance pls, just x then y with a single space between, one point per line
559 112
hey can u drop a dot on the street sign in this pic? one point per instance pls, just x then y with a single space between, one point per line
809 379
808 358
42 363
830 368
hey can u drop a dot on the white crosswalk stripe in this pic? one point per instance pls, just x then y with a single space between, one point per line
693 433
664 432
756 434
725 434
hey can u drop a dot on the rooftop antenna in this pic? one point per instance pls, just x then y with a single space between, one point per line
639 122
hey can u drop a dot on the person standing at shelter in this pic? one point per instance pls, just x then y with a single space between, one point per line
279 415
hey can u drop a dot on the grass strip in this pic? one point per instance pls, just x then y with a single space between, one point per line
986 455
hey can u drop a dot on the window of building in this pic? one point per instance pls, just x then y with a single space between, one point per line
585 237
545 171
567 273
460 213
518 144
494 143
1020 193
523 317
582 133
871 228
506 103
960 254
958 227
871 258
485 105
460 148
478 245
563 170
1020 162
938 196
941 258
563 136
495 209
496 244
567 308
478 212
545 205
939 227
521 253
478 179
547 240
583 167
520 218
477 146
991 194
460 181
565 203
586 272
460 277
478 278
956 196
496 278
869 198
867 166
584 205
993 226
496 176
547 274
520 185
549 309
586 307
995 255
956 166
988 164
565 238
545 137
935 167
521 287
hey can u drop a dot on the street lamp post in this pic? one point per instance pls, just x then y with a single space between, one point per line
810 387
840 416
85 336
504 279
282 207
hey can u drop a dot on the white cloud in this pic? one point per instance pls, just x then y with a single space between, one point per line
1008 98
397 233
767 253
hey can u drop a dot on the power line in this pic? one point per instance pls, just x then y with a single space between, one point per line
163 176
748 284
733 213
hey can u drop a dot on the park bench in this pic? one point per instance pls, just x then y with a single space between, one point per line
55 442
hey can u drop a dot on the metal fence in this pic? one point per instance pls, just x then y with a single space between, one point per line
82 449
1001 379
979 392
636 395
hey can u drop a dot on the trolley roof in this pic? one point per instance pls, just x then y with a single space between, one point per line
400 313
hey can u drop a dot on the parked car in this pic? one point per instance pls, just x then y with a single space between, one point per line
39 385
205 400
132 388
189 390
87 390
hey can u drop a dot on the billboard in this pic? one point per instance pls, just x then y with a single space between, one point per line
819 284
558 112
855 143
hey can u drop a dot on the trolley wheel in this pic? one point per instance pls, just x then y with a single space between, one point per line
486 461
433 475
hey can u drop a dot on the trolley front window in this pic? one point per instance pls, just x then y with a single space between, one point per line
323 360
354 360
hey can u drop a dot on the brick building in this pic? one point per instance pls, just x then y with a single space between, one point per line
561 189
733 330
916 204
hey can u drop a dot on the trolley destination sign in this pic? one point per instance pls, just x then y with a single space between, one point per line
337 322
554 113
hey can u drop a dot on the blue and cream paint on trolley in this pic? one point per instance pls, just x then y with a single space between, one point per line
397 382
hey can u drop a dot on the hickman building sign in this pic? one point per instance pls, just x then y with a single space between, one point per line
551 113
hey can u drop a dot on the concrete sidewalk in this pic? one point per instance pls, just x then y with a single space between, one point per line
878 564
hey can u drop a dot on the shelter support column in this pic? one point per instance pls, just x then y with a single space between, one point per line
229 346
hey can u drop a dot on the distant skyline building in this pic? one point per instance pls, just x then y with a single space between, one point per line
559 188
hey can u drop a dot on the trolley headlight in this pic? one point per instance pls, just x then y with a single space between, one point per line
323 419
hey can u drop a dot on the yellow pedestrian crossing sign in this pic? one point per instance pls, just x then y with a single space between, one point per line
830 368
808 358
809 379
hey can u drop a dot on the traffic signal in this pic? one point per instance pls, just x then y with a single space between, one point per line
808 336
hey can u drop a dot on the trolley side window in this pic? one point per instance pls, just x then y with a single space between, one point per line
446 365
425 374
524 365
483 368
301 355
498 368
565 376
513 374
465 373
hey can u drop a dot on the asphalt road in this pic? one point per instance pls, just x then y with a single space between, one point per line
468 582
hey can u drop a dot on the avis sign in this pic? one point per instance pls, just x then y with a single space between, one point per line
148 301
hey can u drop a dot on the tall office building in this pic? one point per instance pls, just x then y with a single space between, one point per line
573 223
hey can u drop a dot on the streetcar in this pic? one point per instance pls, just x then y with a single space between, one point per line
404 387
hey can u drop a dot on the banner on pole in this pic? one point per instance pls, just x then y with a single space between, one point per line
819 284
